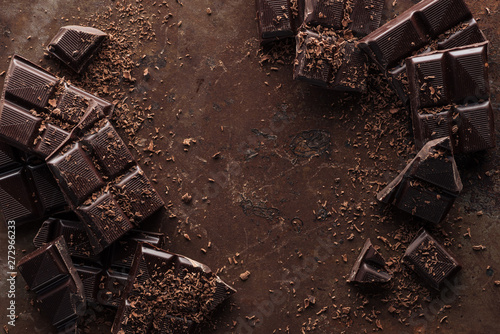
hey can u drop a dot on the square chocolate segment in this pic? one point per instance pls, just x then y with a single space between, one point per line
369 267
430 260
274 20
429 184
76 45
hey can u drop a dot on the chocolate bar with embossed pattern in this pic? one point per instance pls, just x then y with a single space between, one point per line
104 185
427 26
450 97
28 191
50 273
38 111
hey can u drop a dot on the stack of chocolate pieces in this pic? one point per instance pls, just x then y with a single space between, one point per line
326 33
60 152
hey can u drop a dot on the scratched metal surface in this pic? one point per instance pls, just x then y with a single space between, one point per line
261 202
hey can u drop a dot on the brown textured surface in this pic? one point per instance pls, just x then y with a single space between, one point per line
262 200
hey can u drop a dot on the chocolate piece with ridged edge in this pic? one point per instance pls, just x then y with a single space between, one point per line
28 191
164 275
429 184
39 112
427 26
430 260
369 267
450 97
50 273
75 46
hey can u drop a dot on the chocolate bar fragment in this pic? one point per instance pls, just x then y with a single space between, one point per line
38 111
430 260
49 272
369 267
429 184
274 19
450 97
103 183
75 45
104 276
359 16
28 191
326 52
427 26
181 293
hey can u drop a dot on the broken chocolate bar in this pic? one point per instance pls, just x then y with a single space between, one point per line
369 267
75 45
274 20
450 97
430 260
427 26
104 276
429 184
38 111
28 191
181 293
49 272
102 182
326 51
359 16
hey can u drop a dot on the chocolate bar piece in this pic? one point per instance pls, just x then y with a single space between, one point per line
28 191
38 111
326 51
49 272
369 267
327 60
359 16
450 97
429 184
104 276
107 189
169 292
427 26
430 260
275 20
75 45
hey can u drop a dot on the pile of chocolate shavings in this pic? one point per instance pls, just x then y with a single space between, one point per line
278 53
187 295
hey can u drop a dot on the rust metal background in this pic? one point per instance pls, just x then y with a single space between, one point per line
288 153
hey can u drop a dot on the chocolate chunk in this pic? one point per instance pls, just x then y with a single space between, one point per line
450 97
430 260
274 20
427 26
50 273
38 111
28 191
326 52
359 16
369 267
429 184
75 45
177 288
104 185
